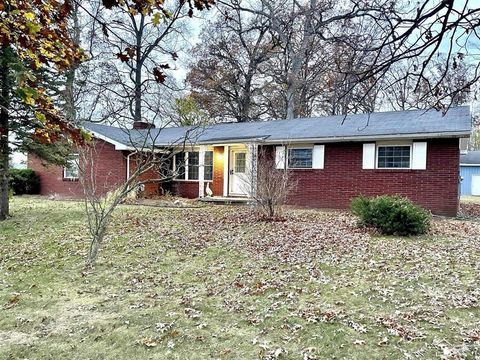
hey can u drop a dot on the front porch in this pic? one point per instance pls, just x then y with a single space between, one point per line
233 174
225 200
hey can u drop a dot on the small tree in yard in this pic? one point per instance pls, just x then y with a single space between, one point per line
269 187
145 157
136 43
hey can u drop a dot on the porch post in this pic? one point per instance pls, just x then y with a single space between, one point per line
252 159
226 162
201 171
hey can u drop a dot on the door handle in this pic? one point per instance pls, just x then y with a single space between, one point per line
231 172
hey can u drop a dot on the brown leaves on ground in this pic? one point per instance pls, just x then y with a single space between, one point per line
470 210
13 301
219 282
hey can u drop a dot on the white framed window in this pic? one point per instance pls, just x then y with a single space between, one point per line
394 156
187 165
71 169
208 165
300 158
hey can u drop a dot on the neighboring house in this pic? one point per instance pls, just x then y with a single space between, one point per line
332 159
470 173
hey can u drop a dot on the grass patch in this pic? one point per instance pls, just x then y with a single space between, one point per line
213 283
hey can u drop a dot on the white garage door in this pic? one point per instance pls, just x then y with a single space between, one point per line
475 184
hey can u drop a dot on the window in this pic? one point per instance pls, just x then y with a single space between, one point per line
187 167
208 165
393 157
240 162
180 165
71 169
300 158
193 162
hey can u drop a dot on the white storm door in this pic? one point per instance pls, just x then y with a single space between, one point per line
238 172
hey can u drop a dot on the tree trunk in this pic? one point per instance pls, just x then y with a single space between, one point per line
4 130
69 93
96 243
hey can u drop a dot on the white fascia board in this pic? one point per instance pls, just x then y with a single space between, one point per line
118 146
469 164
369 138
232 142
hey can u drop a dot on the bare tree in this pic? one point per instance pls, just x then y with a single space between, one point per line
133 45
148 164
268 186
380 34
224 73
403 93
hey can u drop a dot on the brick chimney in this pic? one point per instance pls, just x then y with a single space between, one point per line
143 125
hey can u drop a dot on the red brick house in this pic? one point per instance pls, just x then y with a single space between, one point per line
412 153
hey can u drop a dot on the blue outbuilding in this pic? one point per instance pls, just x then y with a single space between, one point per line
470 173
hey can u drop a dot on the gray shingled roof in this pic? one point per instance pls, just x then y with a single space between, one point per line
470 158
382 125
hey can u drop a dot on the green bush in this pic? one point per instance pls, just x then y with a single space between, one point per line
24 181
392 215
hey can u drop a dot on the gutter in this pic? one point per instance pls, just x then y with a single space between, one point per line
267 140
456 134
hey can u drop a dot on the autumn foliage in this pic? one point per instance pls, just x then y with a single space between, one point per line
37 32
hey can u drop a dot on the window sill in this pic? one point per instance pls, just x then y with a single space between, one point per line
400 170
183 180
303 169
70 179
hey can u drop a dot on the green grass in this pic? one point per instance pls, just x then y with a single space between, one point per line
211 283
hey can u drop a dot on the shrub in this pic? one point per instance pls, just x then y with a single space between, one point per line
392 215
24 181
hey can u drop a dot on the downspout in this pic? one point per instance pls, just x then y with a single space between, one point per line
128 165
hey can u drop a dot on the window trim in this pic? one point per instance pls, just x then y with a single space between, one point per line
74 157
303 147
186 165
213 164
377 146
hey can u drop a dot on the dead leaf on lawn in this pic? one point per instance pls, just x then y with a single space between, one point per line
13 301
148 341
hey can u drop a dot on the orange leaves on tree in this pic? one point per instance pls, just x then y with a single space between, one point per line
37 31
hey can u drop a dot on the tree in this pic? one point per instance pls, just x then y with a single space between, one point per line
187 112
133 52
377 36
227 62
145 158
33 37
403 93
301 73
268 187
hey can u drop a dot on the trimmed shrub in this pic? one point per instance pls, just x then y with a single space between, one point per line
24 181
392 215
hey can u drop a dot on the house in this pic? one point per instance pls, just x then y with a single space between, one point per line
332 159
470 173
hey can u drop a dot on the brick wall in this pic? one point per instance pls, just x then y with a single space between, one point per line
343 178
152 188
110 170
187 189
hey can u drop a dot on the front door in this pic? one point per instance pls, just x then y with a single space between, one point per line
238 172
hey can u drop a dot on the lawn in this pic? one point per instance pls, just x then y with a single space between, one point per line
215 283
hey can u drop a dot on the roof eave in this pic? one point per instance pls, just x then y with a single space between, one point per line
431 135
